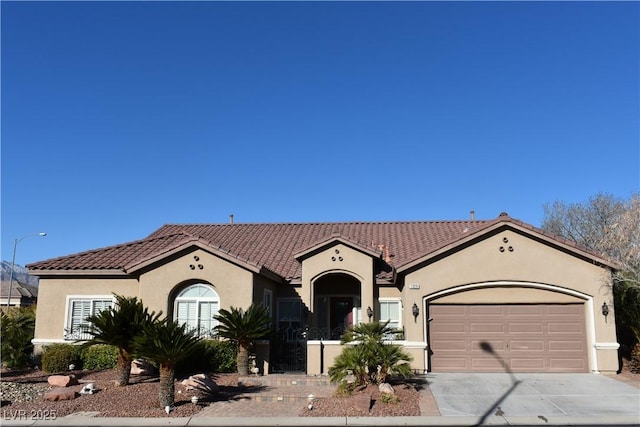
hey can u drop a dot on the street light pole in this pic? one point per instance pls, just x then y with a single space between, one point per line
13 262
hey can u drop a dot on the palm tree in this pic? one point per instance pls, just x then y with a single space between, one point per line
166 343
118 326
243 327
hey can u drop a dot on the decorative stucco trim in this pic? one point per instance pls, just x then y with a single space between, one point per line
506 283
332 241
45 341
606 345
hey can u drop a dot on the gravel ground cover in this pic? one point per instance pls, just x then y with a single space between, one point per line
22 393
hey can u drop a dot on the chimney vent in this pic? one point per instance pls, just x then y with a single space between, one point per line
231 219
473 215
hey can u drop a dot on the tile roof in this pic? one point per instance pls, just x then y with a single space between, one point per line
273 246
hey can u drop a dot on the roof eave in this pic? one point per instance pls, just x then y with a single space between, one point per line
516 225
199 243
78 272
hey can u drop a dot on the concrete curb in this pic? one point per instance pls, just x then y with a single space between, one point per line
583 421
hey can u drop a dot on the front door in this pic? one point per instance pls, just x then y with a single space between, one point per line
340 315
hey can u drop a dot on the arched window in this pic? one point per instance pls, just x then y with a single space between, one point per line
195 306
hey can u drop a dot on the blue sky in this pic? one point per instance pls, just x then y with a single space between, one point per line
118 117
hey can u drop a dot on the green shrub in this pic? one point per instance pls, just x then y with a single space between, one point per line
344 389
212 356
18 326
58 357
389 398
369 358
100 357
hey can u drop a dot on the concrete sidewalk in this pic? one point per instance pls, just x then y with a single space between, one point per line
614 421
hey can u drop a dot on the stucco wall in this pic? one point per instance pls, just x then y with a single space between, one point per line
338 258
536 272
53 294
232 283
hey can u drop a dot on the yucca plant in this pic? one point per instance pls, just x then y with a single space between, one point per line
243 327
166 343
118 326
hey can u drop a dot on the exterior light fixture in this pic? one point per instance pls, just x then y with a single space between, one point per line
13 262
605 309
369 312
415 310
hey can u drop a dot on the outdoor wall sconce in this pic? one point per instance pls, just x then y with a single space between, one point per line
605 310
369 312
415 310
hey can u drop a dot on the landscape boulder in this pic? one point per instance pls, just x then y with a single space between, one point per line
62 380
63 393
385 388
201 382
142 367
362 403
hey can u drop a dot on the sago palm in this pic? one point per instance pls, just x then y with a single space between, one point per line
166 343
118 326
368 357
370 332
243 327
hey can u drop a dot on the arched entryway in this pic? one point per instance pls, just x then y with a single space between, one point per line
336 299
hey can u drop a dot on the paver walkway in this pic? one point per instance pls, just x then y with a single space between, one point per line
286 395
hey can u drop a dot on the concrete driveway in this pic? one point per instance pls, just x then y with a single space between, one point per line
537 395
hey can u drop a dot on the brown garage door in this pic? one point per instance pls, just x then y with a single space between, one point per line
515 337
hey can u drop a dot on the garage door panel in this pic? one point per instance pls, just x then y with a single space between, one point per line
454 328
522 337
563 328
527 364
525 310
453 364
567 365
526 328
485 310
530 345
459 345
488 364
495 345
565 310
576 346
487 328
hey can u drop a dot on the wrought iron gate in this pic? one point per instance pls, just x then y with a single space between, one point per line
290 351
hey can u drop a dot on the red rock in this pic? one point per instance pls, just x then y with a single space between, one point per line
362 403
62 380
63 393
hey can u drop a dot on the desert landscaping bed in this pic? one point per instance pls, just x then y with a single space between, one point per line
22 392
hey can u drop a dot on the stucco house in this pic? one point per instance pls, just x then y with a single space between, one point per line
470 295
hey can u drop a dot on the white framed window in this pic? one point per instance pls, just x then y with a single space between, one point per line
390 309
79 308
267 300
195 306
